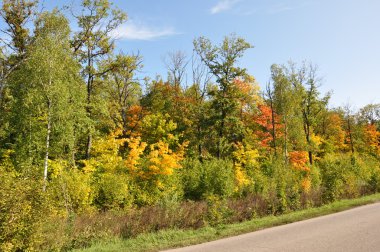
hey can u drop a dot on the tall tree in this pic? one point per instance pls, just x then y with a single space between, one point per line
16 13
122 86
222 60
312 105
93 42
270 99
297 99
176 63
350 126
285 102
48 95
370 114
199 105
13 42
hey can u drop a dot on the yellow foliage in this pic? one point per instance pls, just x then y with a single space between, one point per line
316 140
6 161
57 167
136 149
240 177
162 160
105 153
244 157
306 184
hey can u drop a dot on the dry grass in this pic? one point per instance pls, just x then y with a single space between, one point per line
191 215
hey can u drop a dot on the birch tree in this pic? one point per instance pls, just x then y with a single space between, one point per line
48 95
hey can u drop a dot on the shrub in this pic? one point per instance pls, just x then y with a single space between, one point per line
28 219
346 175
112 192
211 177
217 210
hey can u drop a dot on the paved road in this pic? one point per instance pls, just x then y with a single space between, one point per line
357 229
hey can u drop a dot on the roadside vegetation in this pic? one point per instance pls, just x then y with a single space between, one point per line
87 154
173 238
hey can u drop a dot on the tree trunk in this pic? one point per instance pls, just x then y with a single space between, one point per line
350 136
307 134
220 135
273 128
285 139
199 143
90 81
47 145
311 157
89 145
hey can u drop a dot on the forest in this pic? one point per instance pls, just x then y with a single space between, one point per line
89 150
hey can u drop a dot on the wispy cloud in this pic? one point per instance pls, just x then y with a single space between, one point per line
223 5
137 31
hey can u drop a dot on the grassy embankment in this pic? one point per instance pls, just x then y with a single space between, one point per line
178 238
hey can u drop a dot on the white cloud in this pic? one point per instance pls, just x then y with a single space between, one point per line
135 31
223 5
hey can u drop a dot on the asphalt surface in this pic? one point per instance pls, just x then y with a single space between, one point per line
357 229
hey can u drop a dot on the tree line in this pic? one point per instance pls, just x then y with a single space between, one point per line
79 134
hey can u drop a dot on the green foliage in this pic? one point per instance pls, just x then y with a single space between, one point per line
158 127
29 218
121 88
345 175
112 192
221 61
72 188
86 153
19 216
16 15
217 210
282 188
47 94
211 177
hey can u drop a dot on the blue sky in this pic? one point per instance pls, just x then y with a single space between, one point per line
341 36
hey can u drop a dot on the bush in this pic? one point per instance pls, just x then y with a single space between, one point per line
28 219
112 192
372 173
217 210
211 177
346 176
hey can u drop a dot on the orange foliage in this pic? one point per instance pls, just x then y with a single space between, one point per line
243 86
264 120
372 138
135 115
335 133
299 160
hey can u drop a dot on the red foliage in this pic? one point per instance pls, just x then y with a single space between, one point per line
264 120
